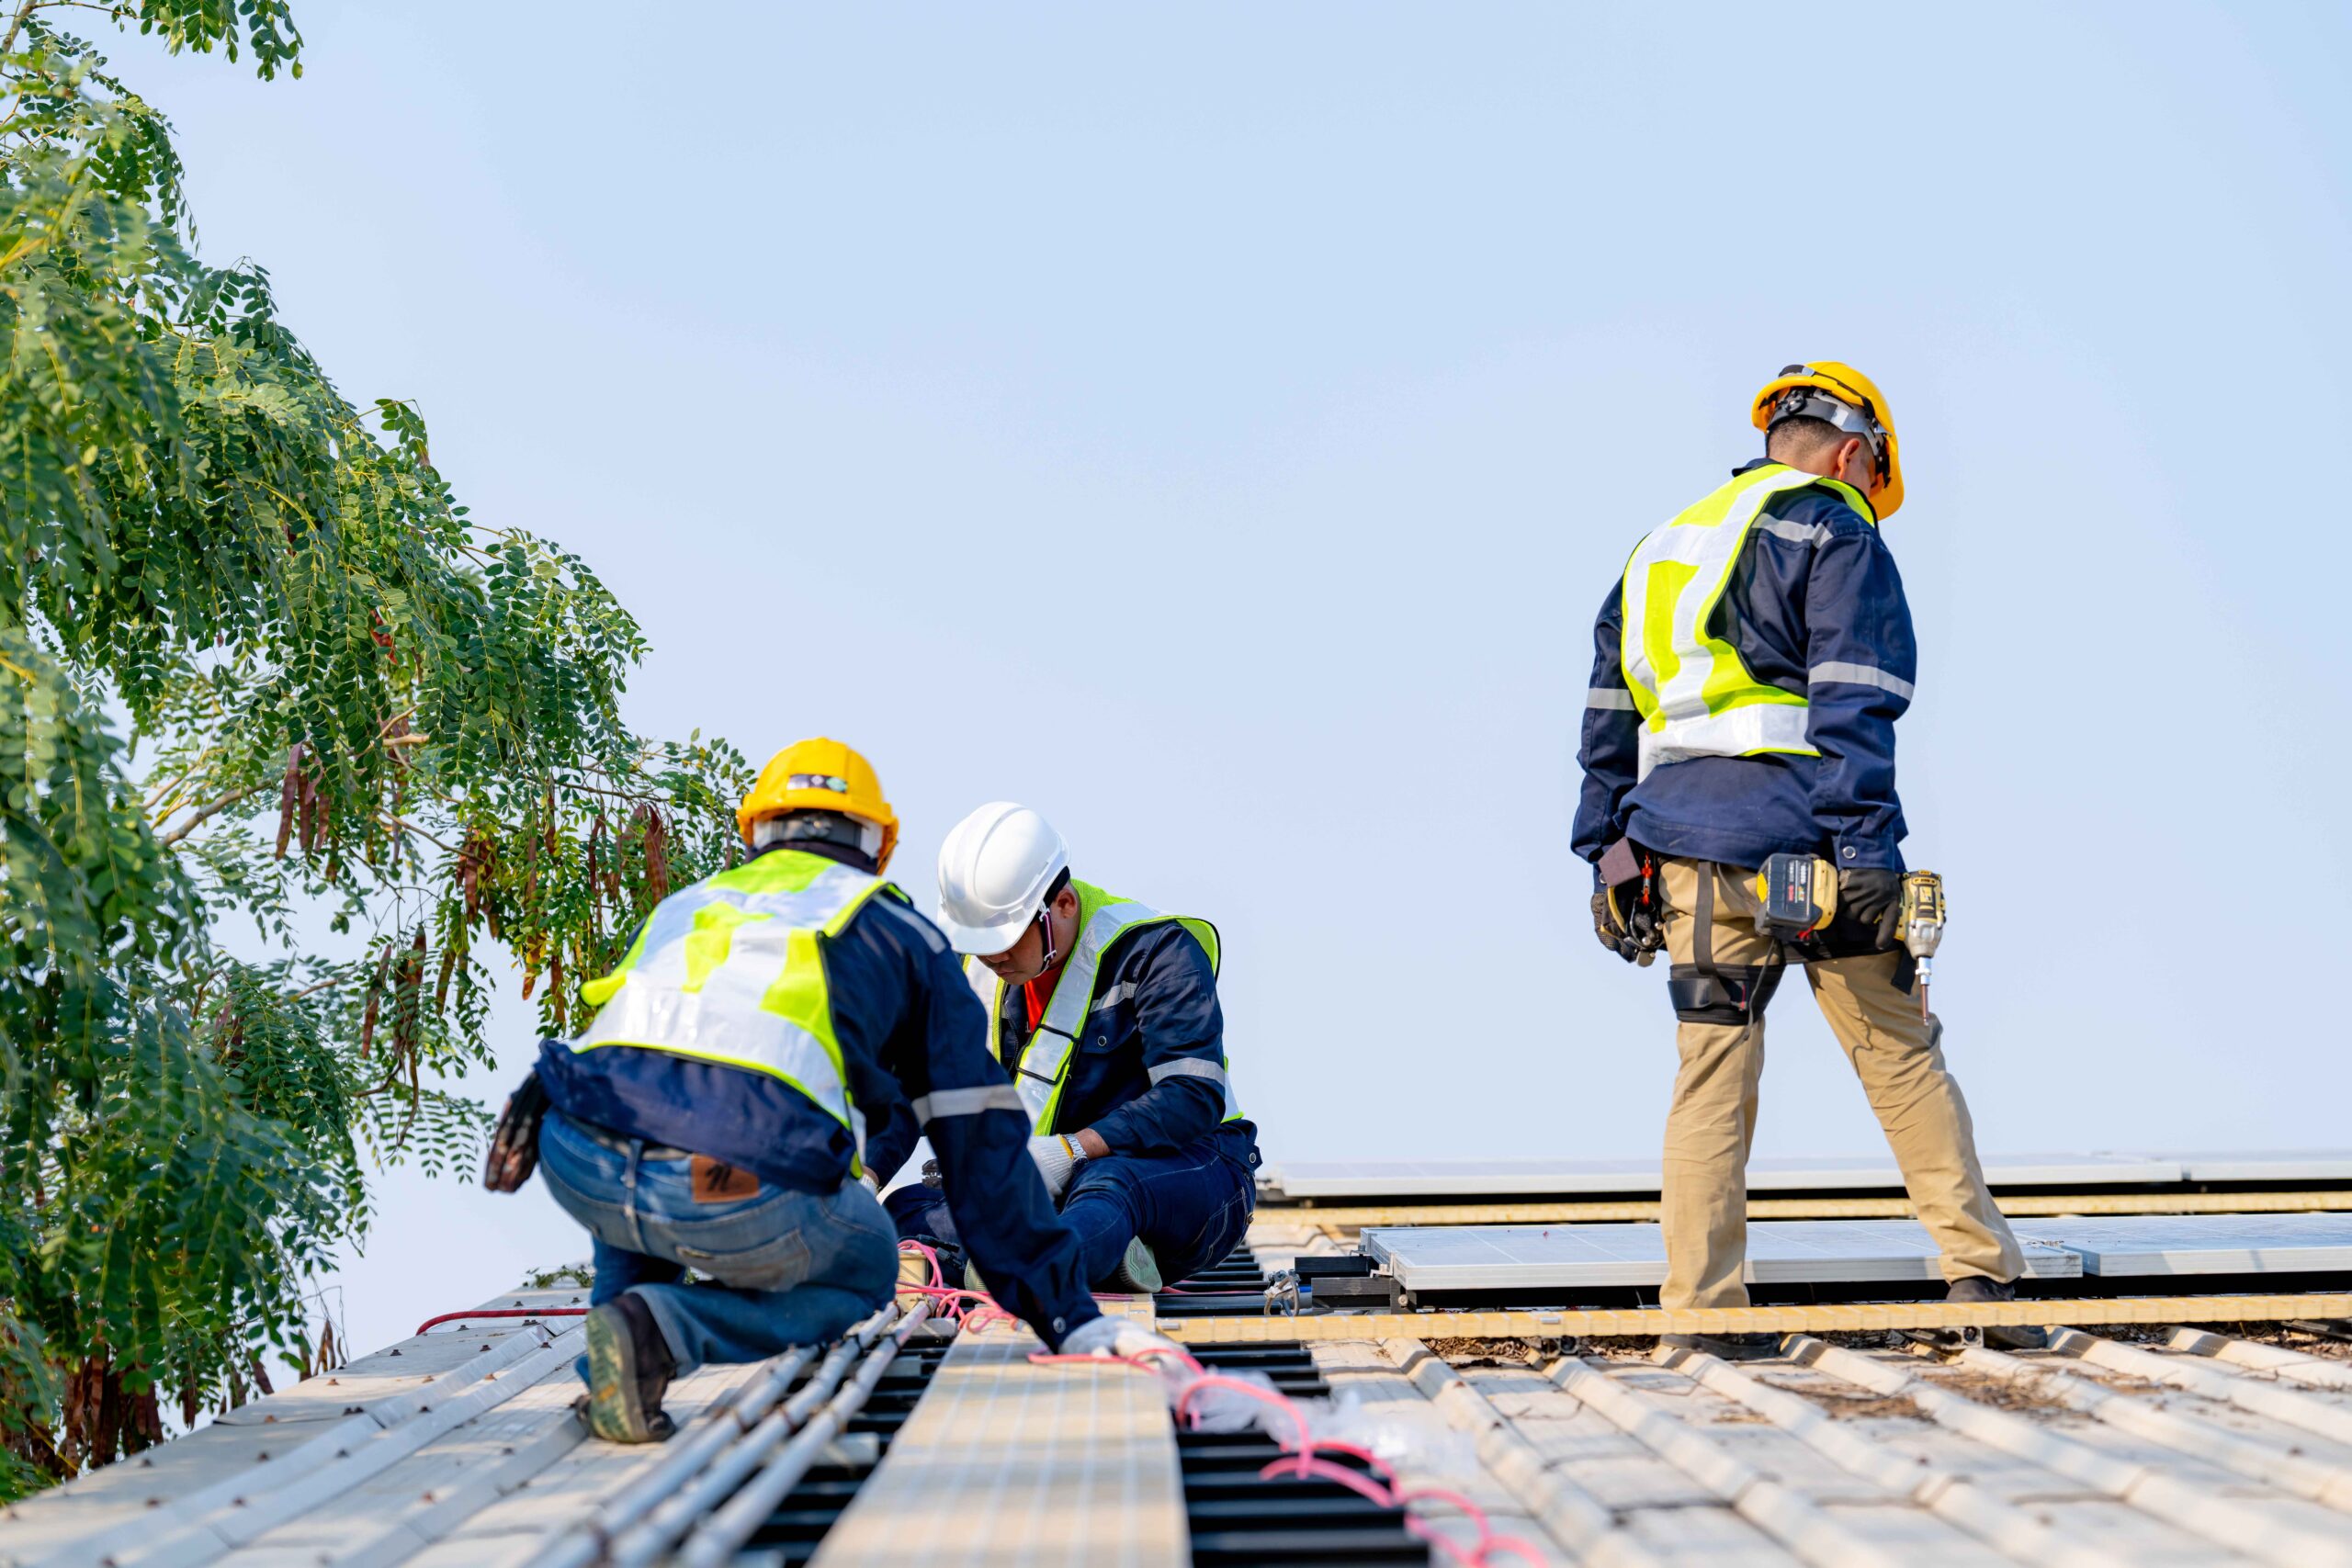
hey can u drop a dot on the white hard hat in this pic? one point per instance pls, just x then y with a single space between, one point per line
994 872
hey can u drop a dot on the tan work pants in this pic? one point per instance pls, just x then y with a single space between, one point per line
1712 1123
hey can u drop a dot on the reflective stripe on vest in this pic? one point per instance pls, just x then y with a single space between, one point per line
1043 1067
1694 693
728 971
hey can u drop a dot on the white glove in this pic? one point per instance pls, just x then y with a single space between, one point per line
1111 1334
872 1182
1056 1157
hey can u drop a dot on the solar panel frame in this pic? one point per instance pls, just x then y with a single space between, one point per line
1780 1252
2275 1165
2126 1245
1523 1178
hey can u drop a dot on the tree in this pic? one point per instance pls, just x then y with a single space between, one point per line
257 666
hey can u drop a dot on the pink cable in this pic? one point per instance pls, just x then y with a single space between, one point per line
1307 1464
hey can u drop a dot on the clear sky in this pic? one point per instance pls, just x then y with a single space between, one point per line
1217 425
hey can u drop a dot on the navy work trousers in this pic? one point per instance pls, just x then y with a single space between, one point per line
1191 1208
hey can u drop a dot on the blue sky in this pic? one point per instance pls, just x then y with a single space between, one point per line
1217 426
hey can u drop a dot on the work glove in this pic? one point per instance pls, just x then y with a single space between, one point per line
1632 941
1871 898
1056 1157
1614 937
514 1142
1114 1335
872 1182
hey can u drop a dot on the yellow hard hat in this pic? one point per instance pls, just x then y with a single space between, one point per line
820 776
1848 388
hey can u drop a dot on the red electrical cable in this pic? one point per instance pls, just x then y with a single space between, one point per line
503 1312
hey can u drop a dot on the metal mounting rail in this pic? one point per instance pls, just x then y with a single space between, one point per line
782 1463
1359 1216
712 1458
1854 1317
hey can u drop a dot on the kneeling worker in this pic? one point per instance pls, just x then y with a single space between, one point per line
712 1117
1106 1011
1749 665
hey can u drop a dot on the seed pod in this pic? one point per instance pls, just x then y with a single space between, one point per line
289 794
375 1000
310 813
657 853
408 999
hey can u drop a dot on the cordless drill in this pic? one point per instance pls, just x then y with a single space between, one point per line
1921 922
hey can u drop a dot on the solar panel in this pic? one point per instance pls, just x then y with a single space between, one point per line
2203 1243
1787 1252
1520 1177
2277 1165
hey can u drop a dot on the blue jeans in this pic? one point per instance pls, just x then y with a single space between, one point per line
1191 1208
790 1268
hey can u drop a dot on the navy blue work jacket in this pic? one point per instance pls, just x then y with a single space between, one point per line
1155 1002
908 1027
1814 602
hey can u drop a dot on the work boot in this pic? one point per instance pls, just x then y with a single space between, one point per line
1138 1271
1726 1346
629 1369
1978 1287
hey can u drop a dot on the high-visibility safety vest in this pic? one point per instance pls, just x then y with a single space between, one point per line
728 970
1044 1067
1694 693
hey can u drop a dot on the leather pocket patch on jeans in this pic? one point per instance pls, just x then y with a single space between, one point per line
715 1181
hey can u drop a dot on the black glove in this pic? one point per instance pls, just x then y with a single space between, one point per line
1870 898
1633 938
514 1145
1613 936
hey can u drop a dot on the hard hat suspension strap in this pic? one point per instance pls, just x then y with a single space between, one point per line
1812 402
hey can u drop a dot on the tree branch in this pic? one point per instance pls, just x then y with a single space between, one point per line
206 812
8 44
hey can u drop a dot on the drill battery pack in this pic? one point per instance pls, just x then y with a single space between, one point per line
1798 894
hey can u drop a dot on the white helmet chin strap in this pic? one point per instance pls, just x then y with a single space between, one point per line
1046 921
1046 924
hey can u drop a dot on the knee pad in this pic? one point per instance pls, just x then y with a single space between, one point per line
1734 994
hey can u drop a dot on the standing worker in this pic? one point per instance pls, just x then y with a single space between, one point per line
713 1116
1105 1012
1748 671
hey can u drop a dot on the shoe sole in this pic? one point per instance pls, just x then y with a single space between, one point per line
613 1412
1720 1349
1138 1270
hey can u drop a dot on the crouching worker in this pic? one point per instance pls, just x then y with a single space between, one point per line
1105 1012
712 1117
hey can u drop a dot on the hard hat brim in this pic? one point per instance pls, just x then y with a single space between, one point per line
985 941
